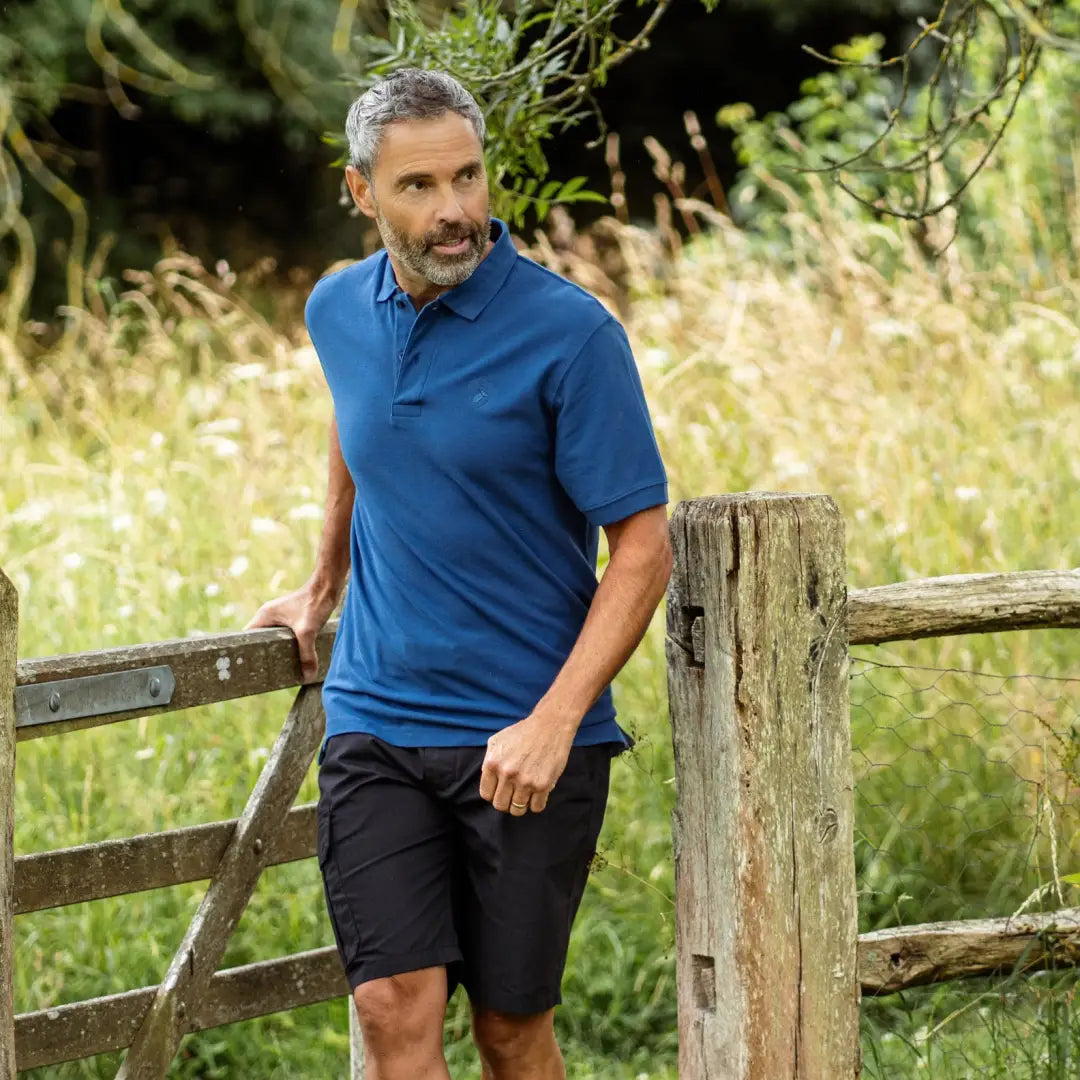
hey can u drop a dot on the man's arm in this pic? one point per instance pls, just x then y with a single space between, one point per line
525 760
306 610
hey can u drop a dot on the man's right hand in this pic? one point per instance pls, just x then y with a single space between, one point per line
304 612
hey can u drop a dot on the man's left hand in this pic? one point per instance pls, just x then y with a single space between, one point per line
523 763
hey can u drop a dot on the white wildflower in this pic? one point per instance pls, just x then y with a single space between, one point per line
788 465
305 356
219 446
244 372
306 512
33 512
263 526
279 380
73 560
156 500
238 566
212 589
226 425
966 494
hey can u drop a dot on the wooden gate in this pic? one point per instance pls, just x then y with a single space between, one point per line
52 696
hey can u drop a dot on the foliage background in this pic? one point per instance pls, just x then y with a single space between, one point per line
199 125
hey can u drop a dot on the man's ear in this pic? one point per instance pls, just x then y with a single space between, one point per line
360 189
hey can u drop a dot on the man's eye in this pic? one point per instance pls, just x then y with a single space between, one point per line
417 185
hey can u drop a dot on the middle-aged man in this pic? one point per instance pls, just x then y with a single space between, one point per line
488 421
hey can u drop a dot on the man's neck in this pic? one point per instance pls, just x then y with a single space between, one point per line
419 290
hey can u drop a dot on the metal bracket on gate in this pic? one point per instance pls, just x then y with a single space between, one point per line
93 695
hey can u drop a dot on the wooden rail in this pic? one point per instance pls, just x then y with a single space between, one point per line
894 959
72 1032
152 861
964 604
218 667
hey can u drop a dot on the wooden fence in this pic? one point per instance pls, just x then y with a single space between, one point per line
769 962
56 695
770 965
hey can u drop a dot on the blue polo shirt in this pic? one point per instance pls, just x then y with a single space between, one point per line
489 436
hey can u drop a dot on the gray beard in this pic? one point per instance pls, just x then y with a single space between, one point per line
419 258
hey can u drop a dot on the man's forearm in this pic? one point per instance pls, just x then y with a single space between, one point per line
332 560
632 586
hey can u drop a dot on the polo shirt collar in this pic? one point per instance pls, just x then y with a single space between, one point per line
474 294
388 286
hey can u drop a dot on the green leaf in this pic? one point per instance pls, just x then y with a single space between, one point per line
568 189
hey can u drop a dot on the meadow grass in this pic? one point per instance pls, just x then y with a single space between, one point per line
166 476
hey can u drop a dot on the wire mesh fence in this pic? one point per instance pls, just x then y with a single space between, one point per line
966 807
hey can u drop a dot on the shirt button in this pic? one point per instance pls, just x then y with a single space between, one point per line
401 302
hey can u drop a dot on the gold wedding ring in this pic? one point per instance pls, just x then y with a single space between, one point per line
519 805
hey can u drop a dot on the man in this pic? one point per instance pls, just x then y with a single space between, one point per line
488 420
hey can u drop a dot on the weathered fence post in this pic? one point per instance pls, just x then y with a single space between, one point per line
767 927
357 1069
9 629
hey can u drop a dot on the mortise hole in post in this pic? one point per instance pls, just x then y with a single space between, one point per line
693 620
704 975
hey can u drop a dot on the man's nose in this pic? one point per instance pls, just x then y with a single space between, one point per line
450 209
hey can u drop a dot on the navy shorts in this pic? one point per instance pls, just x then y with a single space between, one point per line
420 871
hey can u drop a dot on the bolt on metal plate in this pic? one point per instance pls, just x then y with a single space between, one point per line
93 695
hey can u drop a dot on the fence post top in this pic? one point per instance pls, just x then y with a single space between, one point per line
738 498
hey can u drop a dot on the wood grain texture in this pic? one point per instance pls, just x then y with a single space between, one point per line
903 956
219 667
964 604
9 633
766 927
53 879
189 974
79 1030
357 1061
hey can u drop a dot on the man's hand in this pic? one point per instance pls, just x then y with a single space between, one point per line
523 763
304 612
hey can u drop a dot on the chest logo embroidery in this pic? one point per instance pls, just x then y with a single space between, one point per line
479 393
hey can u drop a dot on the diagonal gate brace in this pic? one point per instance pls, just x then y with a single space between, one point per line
230 889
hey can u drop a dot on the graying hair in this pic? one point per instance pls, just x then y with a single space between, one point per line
405 94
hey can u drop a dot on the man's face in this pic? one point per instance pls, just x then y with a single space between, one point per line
428 195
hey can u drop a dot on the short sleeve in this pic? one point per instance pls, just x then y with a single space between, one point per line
606 456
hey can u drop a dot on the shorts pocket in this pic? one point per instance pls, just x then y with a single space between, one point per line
322 832
328 870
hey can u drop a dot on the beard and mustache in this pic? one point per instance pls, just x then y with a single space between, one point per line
418 254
